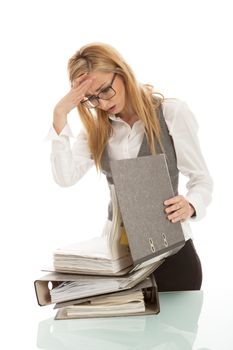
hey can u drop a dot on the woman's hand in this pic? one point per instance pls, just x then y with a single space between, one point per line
179 209
70 101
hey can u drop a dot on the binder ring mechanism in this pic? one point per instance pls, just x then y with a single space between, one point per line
165 240
152 247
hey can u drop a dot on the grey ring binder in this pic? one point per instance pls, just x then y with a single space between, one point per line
142 185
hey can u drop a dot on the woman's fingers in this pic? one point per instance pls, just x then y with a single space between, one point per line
174 203
178 215
76 94
79 80
173 200
83 87
82 81
178 209
173 207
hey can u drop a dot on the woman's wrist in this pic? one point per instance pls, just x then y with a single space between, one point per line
193 211
59 120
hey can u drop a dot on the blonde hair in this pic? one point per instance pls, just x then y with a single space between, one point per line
102 57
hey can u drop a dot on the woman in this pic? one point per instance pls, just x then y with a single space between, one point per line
117 112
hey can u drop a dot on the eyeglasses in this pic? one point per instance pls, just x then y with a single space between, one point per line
105 94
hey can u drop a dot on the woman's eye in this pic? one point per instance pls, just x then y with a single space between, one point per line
105 90
91 98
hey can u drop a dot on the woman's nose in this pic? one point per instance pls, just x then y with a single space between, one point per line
104 104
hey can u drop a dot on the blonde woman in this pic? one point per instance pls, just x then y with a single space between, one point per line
125 119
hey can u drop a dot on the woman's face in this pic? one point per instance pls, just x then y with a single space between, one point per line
101 81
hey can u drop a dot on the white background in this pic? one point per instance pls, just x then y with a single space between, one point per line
181 47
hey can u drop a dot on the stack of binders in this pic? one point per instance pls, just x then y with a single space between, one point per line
112 275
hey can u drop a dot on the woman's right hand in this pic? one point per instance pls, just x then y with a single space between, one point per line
70 101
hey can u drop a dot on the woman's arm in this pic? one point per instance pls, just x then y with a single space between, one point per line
69 165
183 128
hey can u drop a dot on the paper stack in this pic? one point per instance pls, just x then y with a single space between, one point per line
112 275
100 255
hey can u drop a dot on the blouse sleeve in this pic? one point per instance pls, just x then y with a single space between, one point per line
183 128
69 164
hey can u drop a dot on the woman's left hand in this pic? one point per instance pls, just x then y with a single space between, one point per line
179 209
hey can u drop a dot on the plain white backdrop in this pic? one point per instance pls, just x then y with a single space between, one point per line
183 48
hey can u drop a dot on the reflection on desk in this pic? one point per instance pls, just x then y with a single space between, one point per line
174 328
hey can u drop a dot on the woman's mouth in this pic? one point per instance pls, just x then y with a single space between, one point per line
111 109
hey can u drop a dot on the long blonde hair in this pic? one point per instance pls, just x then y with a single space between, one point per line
103 57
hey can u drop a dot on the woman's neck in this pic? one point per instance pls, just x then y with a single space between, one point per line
128 115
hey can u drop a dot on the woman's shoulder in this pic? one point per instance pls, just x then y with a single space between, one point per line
171 104
176 111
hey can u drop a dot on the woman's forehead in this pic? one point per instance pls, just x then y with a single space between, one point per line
100 79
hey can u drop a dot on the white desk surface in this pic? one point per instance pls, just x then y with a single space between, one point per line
188 320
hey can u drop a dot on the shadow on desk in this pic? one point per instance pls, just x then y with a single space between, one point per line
175 328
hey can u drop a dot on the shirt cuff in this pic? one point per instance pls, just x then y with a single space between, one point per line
196 200
54 136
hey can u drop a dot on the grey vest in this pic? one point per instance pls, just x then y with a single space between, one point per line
144 150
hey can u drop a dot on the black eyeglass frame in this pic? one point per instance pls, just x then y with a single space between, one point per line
97 98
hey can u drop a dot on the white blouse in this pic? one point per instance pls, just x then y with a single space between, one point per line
69 165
